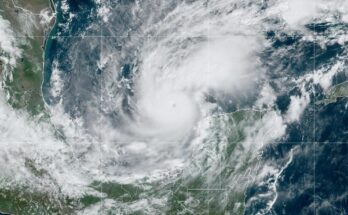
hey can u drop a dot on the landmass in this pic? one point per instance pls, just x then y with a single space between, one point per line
336 92
30 21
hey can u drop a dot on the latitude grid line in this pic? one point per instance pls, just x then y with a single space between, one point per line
315 142
314 116
270 144
134 36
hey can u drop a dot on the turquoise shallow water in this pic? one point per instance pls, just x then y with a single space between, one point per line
310 155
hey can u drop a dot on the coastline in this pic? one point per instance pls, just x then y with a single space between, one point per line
24 87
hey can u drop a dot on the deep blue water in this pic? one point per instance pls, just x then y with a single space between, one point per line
69 43
316 182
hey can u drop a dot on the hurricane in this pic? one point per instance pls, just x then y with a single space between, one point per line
174 107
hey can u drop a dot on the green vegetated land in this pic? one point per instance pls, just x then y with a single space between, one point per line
184 195
191 196
336 92
24 89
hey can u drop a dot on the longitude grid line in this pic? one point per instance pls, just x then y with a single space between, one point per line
209 68
99 121
99 110
314 116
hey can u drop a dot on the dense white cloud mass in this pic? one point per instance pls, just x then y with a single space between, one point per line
191 63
